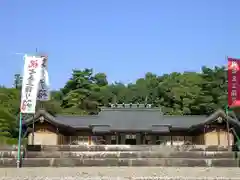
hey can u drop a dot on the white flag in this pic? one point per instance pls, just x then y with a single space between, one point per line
31 78
44 86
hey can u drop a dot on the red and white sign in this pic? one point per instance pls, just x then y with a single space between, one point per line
31 79
233 81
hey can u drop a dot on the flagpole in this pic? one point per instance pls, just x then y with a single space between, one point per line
228 135
33 125
226 110
19 140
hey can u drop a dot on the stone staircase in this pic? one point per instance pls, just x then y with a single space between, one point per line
121 155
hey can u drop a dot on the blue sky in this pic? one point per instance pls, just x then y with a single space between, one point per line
123 38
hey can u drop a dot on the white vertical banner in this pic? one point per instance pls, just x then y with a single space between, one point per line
31 77
44 86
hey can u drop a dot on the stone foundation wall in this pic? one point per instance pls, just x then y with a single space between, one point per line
120 173
122 155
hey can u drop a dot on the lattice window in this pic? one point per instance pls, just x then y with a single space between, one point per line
113 137
131 136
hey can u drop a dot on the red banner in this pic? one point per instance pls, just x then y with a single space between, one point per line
233 81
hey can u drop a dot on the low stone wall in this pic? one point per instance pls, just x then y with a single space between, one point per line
118 148
122 155
134 148
120 173
127 154
106 162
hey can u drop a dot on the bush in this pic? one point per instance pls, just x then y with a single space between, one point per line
11 141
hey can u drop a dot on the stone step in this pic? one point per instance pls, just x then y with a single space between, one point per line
10 154
127 148
149 162
127 154
120 173
10 148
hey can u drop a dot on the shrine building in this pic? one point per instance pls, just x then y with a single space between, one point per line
132 124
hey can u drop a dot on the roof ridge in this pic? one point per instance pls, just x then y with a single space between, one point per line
65 115
130 109
183 115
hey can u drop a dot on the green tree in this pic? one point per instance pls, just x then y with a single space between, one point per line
188 93
83 91
17 81
8 123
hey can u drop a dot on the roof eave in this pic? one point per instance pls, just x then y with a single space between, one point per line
213 117
47 117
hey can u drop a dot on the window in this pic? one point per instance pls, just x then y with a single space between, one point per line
99 139
113 139
178 138
147 139
131 136
188 138
82 139
61 139
163 139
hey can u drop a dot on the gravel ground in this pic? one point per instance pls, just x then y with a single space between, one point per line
119 173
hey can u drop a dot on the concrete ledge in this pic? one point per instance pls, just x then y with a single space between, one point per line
176 162
121 173
10 154
225 163
205 155
149 162
132 148
119 148
10 148
127 154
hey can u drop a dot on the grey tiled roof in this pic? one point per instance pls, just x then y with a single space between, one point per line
126 119
183 121
102 129
158 129
77 121
130 120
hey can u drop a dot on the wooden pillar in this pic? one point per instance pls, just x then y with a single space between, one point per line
89 140
57 132
123 138
117 138
33 129
138 139
153 139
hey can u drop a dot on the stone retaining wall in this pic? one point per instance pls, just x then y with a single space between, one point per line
119 173
119 148
134 148
122 155
106 162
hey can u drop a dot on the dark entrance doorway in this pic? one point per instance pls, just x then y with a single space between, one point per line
131 139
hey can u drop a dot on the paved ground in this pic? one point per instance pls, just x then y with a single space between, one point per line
119 173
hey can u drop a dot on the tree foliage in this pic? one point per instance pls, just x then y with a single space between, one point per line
187 93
